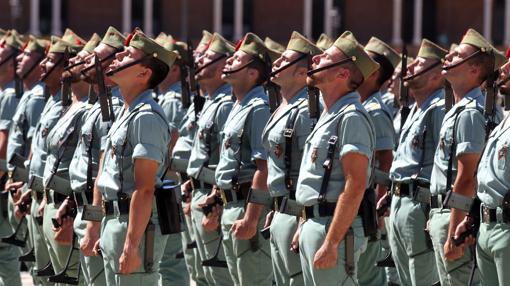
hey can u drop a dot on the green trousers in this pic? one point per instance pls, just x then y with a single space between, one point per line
413 255
59 253
493 253
92 268
9 264
113 235
207 244
451 273
286 264
312 236
42 256
391 272
368 273
251 258
174 270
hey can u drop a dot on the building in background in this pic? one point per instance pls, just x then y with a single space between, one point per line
395 21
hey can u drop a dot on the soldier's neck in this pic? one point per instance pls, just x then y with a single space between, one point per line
459 91
289 92
332 94
241 89
165 85
5 81
130 93
30 80
211 87
80 90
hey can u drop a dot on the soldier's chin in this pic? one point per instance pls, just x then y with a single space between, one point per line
311 81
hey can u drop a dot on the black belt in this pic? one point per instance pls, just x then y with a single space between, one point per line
56 198
490 215
78 198
325 209
241 193
436 202
123 207
184 177
197 185
277 202
402 190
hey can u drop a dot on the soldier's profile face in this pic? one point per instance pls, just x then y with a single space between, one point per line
5 52
125 57
288 74
25 60
210 70
505 73
457 55
48 65
330 56
238 60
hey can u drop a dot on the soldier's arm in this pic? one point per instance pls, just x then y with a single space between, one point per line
384 157
253 211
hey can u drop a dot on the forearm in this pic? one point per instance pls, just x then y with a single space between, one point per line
346 210
139 214
253 211
385 158
465 185
4 134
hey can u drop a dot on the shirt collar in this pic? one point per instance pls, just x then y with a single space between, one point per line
142 98
256 92
349 98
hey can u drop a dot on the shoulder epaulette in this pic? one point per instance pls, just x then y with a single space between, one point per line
373 106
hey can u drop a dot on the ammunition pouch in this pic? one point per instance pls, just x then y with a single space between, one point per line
207 175
4 199
458 201
368 214
260 198
168 203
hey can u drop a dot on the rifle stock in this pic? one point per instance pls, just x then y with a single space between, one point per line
103 91
404 95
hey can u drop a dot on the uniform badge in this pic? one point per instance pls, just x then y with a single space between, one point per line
502 152
441 144
415 142
201 135
44 132
314 155
190 125
228 143
278 150
114 150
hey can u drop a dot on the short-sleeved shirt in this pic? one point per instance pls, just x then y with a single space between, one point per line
187 131
206 146
62 141
383 122
8 104
49 117
172 106
389 100
274 142
242 137
466 117
418 140
92 137
494 168
351 123
139 132
25 121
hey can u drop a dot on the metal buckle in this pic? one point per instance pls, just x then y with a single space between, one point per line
332 140
223 197
396 190
275 204
303 213
103 207
287 132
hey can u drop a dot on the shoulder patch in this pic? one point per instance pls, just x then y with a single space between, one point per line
351 107
146 107
440 102
373 106
471 104
258 102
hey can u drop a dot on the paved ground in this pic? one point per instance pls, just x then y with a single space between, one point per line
26 280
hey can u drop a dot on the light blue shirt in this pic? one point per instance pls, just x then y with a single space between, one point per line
8 104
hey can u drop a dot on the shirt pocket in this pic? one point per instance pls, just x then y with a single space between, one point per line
502 154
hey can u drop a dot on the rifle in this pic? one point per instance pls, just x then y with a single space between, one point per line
104 94
194 87
313 100
404 95
490 102
66 83
272 89
18 83
448 96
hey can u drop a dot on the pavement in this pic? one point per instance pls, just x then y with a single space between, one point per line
26 280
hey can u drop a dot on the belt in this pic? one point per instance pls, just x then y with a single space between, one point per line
402 190
197 184
291 207
78 198
491 215
419 192
184 177
437 202
38 196
277 203
109 206
240 191
54 197
319 210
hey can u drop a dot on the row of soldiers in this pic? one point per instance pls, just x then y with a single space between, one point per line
289 161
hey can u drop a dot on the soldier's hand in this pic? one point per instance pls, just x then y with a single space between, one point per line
61 212
186 188
24 198
294 244
187 209
64 234
382 201
244 229
326 256
42 205
461 228
17 186
211 222
130 260
97 248
452 252
269 219
88 243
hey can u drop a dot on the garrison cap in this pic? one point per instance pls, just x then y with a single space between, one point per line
221 46
348 44
499 59
254 46
275 49
299 43
58 45
12 39
75 41
149 47
204 41
35 45
430 50
324 42
114 38
379 47
180 48
92 43
474 38
161 38
2 33
453 46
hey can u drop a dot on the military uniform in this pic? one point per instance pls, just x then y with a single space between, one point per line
91 143
205 153
493 241
410 245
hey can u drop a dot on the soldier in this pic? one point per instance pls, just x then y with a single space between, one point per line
411 168
242 165
25 121
461 142
493 175
283 138
205 152
336 166
60 146
85 163
173 269
132 165
370 93
324 42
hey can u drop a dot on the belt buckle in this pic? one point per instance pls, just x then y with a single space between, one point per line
303 213
396 190
486 215
287 132
275 204
103 207
193 185
223 197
